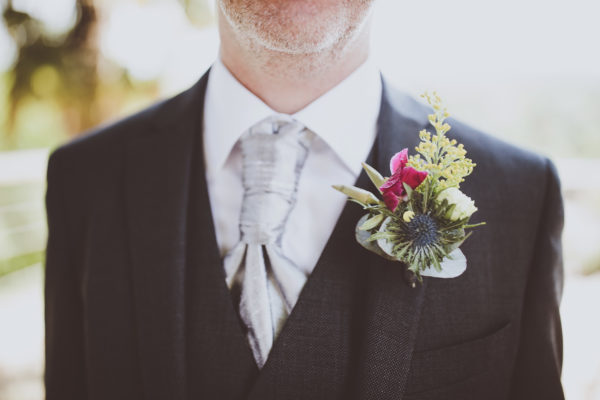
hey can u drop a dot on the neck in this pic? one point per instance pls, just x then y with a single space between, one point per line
289 82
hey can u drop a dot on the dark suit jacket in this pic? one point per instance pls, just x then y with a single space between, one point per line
137 306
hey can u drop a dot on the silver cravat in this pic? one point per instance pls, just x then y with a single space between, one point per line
273 154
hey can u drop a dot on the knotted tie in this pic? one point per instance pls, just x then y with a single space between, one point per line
273 154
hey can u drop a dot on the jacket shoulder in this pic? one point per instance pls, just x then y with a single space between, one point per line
108 140
489 152
494 151
504 171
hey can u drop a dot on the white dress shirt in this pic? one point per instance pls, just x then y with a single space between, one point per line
344 121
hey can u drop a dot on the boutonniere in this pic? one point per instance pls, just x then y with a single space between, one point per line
422 217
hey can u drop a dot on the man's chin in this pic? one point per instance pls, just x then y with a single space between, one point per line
298 46
295 27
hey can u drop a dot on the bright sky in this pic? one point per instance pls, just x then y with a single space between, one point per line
416 42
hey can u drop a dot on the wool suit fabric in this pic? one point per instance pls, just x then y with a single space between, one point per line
137 306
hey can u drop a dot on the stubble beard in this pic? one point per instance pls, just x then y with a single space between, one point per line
298 44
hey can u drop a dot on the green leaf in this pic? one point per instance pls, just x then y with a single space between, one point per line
364 206
382 235
436 264
408 189
403 251
474 225
372 222
374 175
440 250
449 211
361 195
425 200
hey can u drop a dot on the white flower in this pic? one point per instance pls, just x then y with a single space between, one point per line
464 205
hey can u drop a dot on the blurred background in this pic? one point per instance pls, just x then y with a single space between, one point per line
527 71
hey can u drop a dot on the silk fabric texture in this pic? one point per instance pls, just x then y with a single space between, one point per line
274 152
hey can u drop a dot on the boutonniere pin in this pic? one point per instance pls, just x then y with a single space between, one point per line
422 217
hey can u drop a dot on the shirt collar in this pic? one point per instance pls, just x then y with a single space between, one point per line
344 118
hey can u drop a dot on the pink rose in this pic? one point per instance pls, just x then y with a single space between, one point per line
393 188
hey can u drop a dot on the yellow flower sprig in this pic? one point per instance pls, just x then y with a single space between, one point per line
423 217
440 156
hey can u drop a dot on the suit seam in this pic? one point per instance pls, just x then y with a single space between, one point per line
533 258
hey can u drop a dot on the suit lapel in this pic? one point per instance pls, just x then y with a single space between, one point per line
157 187
187 325
220 361
392 307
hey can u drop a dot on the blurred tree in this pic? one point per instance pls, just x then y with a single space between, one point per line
62 68
60 84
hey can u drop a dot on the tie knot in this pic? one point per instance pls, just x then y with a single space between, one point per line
274 124
273 154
